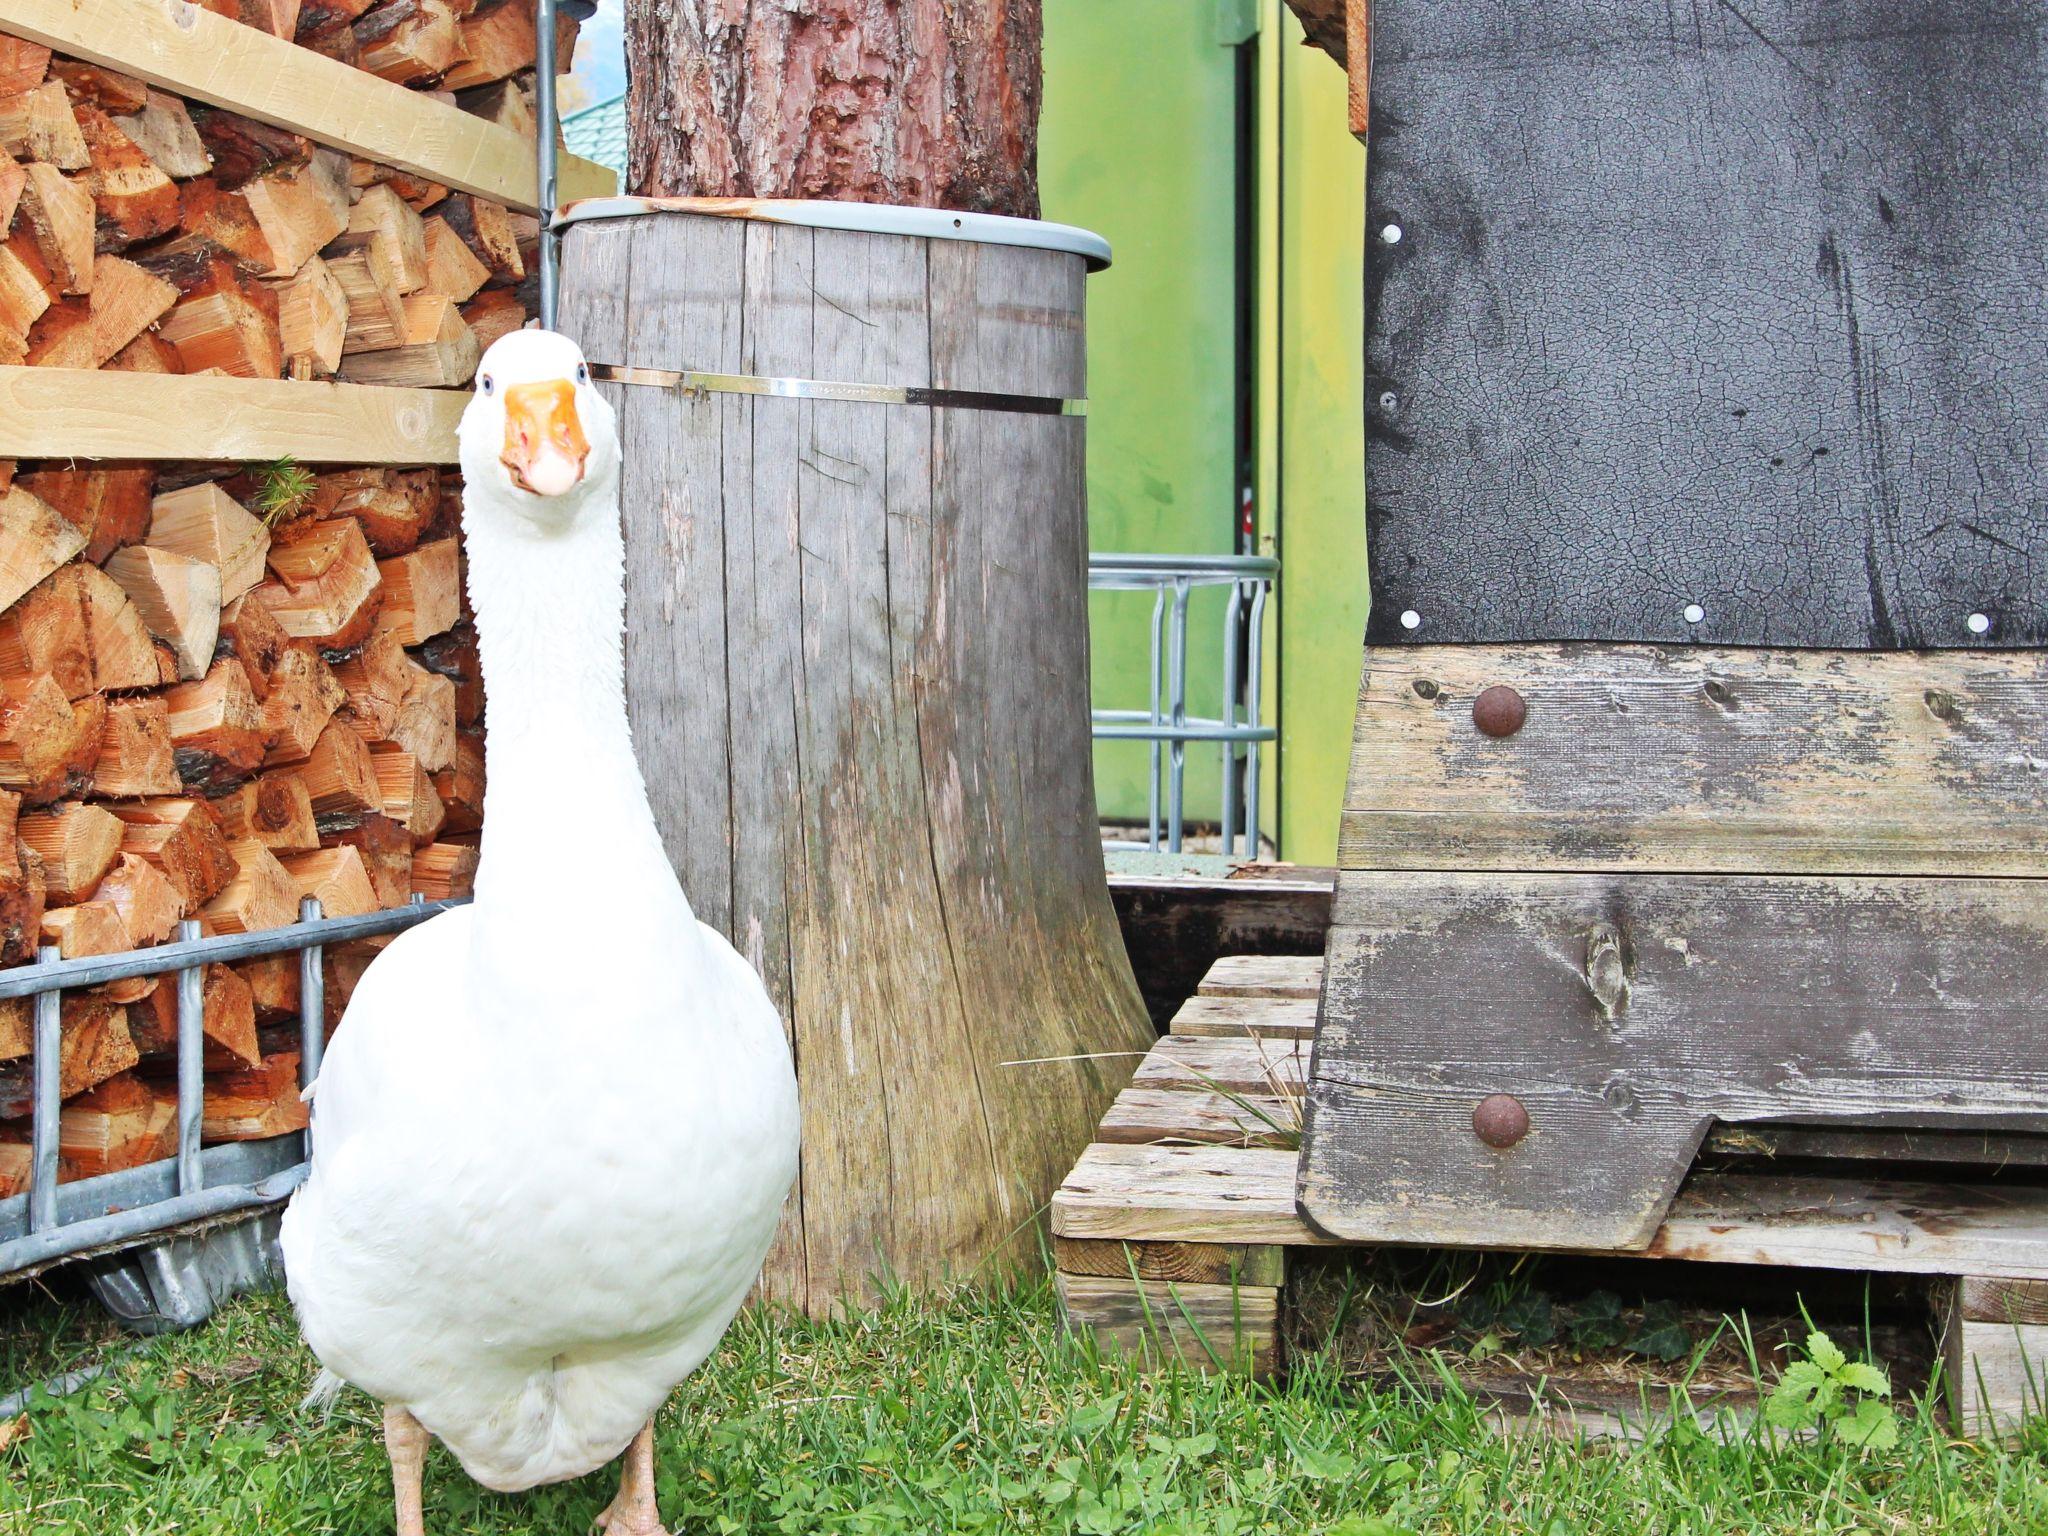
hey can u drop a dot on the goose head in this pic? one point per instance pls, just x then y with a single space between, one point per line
538 442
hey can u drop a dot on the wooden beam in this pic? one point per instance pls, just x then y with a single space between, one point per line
204 57
1358 64
65 413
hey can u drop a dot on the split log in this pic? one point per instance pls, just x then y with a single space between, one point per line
376 309
12 179
38 125
218 735
453 270
227 1019
257 1102
48 743
147 353
300 208
408 793
77 844
280 18
486 228
273 982
58 214
27 290
162 129
419 192
461 785
89 928
336 878
409 41
340 779
109 504
227 321
454 656
243 148
259 895
341 968
96 86
23 891
177 597
23 65
135 756
132 198
148 905
505 103
180 839
422 592
94 1044
251 633
34 540
375 679
386 851
336 42
444 871
439 350
205 523
327 588
302 697
382 218
393 505
501 41
87 333
425 726
274 811
124 654
319 15
215 225
123 1123
45 635
312 320
493 313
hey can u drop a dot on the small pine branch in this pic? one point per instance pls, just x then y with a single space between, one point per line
283 487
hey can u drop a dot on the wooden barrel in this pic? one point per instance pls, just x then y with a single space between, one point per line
857 664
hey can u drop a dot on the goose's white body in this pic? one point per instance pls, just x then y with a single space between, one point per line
554 1132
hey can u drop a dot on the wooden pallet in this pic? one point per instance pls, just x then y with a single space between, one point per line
1171 1234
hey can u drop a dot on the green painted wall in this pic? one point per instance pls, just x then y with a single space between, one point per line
1137 143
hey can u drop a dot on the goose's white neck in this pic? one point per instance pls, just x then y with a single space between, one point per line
571 855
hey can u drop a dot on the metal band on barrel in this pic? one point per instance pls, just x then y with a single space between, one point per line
691 381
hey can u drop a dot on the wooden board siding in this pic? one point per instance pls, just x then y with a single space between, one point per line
193 53
1627 1013
1659 758
1208 1327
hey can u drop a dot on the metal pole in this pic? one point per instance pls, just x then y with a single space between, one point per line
1230 617
312 1006
1177 687
547 122
46 1104
191 1063
1152 800
1254 675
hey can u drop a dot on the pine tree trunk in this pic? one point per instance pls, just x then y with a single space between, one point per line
926 102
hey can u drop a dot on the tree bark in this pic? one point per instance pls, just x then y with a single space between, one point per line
925 102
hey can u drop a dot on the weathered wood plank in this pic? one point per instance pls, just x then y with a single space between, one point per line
1997 1374
1264 976
1175 926
196 54
1278 1018
1625 1014
65 413
1984 1300
1184 1195
1200 1263
1202 1115
1693 759
1225 1065
1208 1327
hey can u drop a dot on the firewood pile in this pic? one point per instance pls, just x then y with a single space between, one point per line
225 687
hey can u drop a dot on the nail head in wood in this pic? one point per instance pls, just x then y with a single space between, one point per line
1499 711
1500 1120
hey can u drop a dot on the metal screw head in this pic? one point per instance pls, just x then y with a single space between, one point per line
1694 613
1500 1121
1389 400
1391 233
1499 711
1410 619
1980 624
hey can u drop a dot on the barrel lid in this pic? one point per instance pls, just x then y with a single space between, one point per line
871 218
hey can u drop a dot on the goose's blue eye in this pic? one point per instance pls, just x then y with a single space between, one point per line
487 385
582 373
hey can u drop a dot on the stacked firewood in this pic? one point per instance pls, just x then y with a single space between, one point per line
224 688
152 235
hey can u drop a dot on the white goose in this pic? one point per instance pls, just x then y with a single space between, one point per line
545 1173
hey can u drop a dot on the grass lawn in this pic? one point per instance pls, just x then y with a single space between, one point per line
972 1412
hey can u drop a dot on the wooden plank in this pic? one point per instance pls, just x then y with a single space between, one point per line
1273 1018
1975 1149
1175 926
1225 1065
64 413
1199 1263
1202 1115
1985 1300
1208 1327
204 57
1264 976
1627 1013
1184 1195
1694 759
1997 1373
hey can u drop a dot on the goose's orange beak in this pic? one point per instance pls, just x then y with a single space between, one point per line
545 448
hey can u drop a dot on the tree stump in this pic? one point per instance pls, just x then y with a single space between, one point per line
857 665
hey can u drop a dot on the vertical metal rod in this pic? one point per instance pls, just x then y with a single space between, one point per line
546 122
312 1006
191 1062
1152 837
45 1103
1177 687
1254 675
1229 716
